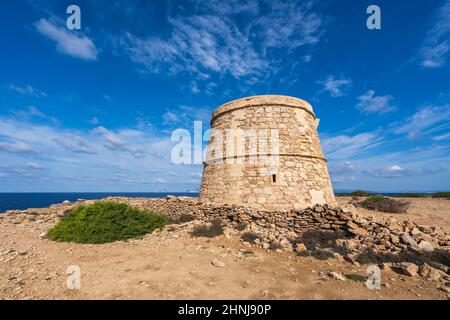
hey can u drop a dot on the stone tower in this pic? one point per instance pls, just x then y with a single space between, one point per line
264 152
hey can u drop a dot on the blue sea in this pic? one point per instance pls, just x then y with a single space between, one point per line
20 201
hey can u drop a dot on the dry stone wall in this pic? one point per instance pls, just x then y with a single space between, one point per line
285 226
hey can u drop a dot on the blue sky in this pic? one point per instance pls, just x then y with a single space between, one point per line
94 109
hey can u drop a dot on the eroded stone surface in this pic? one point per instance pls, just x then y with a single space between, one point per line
296 180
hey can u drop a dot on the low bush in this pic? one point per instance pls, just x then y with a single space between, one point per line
360 193
356 277
185 218
441 195
211 230
384 204
104 222
240 226
249 237
413 195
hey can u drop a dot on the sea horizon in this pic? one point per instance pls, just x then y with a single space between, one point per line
27 200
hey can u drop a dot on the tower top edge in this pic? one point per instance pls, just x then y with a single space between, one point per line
262 100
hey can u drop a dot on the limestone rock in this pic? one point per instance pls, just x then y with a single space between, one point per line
431 273
347 244
358 231
336 276
446 289
43 235
218 263
409 269
300 247
408 240
425 246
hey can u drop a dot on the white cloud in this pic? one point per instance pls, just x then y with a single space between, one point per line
346 147
74 144
34 165
289 24
27 90
436 48
395 168
31 112
210 41
85 160
233 6
94 121
16 146
445 136
199 44
369 103
426 120
67 42
186 115
120 141
334 86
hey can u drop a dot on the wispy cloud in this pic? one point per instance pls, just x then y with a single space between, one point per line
370 103
119 141
34 165
74 144
428 120
27 90
436 48
394 171
335 87
94 121
210 41
31 112
186 115
87 158
445 136
68 42
346 147
15 146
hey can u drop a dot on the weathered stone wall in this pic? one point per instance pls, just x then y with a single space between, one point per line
285 226
300 178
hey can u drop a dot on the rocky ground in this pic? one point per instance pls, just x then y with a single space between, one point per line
172 264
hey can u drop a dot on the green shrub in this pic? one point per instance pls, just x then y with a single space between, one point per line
185 218
384 204
104 222
441 195
360 193
413 195
249 237
356 277
240 226
211 230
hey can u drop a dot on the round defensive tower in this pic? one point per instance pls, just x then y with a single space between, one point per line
264 152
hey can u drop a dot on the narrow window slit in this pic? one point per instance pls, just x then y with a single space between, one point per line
274 178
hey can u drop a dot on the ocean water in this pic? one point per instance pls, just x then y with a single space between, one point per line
20 201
